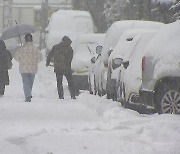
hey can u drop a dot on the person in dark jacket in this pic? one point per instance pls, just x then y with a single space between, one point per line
5 65
62 54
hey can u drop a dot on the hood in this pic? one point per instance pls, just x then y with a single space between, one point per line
67 41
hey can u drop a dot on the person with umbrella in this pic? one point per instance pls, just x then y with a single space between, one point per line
5 65
17 31
28 57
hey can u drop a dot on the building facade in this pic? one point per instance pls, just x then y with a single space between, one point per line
27 11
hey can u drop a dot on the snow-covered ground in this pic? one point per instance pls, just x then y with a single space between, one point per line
88 125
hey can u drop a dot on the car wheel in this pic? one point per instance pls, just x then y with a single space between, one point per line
108 95
95 87
123 101
168 99
90 86
103 92
121 94
118 93
99 92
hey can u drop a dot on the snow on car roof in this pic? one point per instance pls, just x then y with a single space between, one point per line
68 22
123 44
164 49
163 1
167 41
91 38
116 30
68 18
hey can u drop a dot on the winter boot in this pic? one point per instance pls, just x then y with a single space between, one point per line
73 97
61 97
28 99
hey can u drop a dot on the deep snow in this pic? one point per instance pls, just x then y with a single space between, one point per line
88 125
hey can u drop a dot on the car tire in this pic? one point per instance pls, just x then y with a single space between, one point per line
95 87
108 95
90 86
99 92
121 94
124 103
118 93
167 99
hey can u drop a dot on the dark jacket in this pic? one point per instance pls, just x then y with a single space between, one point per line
5 63
62 54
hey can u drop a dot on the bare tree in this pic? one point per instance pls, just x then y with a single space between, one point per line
176 10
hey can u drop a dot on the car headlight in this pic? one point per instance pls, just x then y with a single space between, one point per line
81 70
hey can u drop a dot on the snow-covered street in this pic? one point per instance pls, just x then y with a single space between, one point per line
88 125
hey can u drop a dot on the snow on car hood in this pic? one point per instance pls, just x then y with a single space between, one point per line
85 49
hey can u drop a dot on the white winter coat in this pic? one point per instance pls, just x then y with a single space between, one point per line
28 57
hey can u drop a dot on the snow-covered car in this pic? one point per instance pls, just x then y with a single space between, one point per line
84 54
71 23
125 47
94 78
130 74
160 87
112 37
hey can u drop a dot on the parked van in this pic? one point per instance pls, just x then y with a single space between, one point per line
71 23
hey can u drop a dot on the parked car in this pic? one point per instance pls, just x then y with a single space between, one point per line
93 77
160 86
130 75
84 54
112 37
68 22
129 41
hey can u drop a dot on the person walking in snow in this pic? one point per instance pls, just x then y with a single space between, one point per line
28 57
62 54
5 65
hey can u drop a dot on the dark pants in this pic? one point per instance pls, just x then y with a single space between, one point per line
2 88
59 77
4 80
28 80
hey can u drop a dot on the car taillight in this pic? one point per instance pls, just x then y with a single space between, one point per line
143 63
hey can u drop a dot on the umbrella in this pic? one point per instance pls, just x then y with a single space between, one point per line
17 31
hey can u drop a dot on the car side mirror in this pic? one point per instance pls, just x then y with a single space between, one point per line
109 52
116 62
125 64
93 60
99 49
